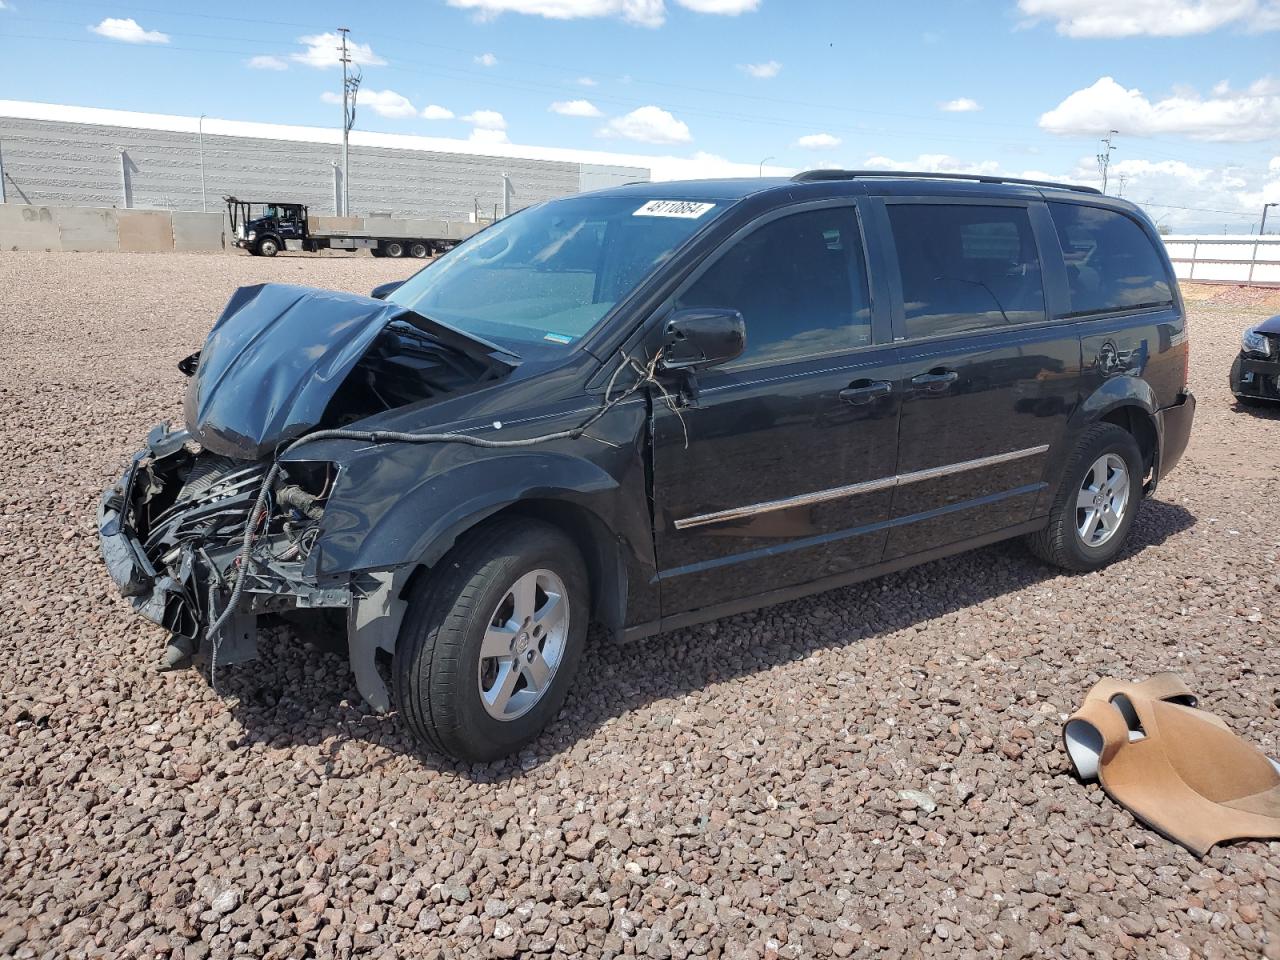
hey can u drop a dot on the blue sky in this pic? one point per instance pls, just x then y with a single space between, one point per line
1014 86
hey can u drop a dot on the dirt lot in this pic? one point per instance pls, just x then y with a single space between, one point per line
738 789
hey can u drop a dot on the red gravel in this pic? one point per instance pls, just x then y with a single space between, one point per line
874 771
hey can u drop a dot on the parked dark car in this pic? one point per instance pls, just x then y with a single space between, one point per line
1255 374
648 407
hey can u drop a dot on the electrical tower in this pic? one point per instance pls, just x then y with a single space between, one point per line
350 84
1104 158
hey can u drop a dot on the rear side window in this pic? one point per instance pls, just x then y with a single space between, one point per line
966 267
800 284
1111 262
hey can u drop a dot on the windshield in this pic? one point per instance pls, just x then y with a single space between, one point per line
547 275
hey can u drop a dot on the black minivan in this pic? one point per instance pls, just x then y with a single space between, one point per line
647 407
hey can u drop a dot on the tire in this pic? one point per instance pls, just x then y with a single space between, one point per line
440 676
393 248
267 247
419 250
1061 542
376 252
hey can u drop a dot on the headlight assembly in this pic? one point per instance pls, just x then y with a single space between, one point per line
1254 342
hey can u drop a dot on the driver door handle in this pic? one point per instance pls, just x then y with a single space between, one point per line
864 391
936 380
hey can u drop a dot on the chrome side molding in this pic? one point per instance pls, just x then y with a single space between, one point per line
856 489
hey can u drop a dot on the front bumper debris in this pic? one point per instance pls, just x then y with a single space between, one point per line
1255 378
171 531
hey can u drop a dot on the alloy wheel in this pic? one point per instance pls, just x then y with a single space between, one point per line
1102 500
523 645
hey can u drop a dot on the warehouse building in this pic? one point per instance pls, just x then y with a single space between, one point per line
65 156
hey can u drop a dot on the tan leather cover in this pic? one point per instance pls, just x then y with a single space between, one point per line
1175 767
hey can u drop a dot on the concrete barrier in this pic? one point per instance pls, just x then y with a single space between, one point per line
197 231
30 227
87 228
145 231
24 227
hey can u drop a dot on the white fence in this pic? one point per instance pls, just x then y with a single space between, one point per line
1215 258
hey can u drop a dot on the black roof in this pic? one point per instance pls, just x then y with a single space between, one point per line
879 182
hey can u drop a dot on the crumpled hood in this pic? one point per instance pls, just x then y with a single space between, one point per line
278 354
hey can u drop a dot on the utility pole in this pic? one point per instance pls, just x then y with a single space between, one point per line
350 84
1104 158
1123 180
1265 208
200 137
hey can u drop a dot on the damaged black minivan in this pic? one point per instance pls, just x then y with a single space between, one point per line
648 407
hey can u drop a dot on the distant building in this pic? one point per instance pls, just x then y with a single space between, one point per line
56 155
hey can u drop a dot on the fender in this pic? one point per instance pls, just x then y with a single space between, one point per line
413 511
1112 394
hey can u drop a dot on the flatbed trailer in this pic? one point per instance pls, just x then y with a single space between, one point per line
280 226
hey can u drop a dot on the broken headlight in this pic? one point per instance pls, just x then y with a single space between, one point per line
1254 342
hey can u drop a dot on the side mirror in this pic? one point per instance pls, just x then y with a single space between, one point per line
384 290
701 337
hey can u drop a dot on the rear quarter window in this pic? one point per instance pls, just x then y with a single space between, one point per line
1111 262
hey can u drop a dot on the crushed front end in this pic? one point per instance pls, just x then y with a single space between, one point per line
172 531
281 366
1255 374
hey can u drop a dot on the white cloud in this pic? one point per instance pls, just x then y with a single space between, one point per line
267 62
486 120
486 60
385 103
645 13
128 31
819 141
729 8
433 111
934 163
575 108
1238 116
960 105
1159 18
587 82
1178 195
483 135
648 125
762 71
323 50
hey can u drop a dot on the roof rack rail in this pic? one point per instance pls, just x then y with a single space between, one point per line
809 176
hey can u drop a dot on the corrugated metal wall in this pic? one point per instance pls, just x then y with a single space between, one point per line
51 162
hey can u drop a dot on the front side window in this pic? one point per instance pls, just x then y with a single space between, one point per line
800 283
1111 262
966 267
545 277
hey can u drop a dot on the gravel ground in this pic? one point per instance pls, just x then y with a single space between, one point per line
873 771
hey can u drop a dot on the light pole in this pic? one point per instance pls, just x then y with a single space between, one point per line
763 162
200 137
1265 208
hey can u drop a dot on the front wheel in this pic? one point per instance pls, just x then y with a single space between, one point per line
268 247
1098 497
492 639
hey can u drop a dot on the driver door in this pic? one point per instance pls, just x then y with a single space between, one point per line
782 472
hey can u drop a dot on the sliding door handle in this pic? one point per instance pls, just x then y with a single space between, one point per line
864 391
935 381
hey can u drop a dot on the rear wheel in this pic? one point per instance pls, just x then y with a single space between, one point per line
393 248
1098 497
419 251
492 639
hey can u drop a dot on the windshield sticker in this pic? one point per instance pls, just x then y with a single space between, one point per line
683 209
557 338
